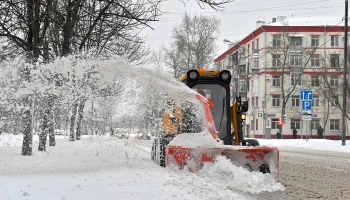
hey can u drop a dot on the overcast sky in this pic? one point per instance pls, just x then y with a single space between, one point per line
238 18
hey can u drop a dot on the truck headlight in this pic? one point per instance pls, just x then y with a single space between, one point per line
225 75
192 74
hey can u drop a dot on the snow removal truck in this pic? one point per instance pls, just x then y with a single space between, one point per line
191 138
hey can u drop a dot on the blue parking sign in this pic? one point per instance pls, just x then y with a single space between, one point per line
306 105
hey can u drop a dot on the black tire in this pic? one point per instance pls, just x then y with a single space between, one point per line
252 142
162 149
153 151
264 169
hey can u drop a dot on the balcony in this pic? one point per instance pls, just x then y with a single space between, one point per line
296 69
254 63
296 48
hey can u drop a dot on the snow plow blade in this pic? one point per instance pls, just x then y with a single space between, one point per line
262 159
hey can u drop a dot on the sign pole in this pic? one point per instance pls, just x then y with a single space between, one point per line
306 97
344 75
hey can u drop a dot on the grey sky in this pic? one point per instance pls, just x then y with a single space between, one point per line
239 17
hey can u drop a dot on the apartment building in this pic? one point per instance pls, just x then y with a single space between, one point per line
280 58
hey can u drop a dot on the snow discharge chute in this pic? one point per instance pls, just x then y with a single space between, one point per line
195 133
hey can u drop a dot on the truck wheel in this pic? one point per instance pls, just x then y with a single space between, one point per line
153 151
162 148
264 169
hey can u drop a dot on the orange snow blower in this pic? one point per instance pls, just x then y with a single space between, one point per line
193 135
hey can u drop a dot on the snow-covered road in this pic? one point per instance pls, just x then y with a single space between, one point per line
312 174
109 168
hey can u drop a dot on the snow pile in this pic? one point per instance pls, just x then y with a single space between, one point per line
193 140
317 144
222 170
7 139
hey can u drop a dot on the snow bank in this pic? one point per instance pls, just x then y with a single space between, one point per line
7 139
88 154
316 144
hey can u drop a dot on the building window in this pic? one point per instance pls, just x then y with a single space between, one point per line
276 41
295 101
334 60
241 86
295 123
257 43
255 63
295 79
296 41
276 61
315 61
314 40
253 101
315 81
241 69
315 123
274 123
334 82
248 48
315 101
256 101
334 101
334 41
276 81
256 124
334 125
296 61
276 100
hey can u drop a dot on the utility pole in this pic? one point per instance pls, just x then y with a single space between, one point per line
344 74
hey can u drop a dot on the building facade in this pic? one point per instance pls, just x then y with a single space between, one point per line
272 64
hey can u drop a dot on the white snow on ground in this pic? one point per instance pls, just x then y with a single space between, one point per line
316 144
109 168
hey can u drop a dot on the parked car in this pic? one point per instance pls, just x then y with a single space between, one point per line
122 135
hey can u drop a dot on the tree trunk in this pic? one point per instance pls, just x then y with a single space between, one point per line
46 127
284 104
52 140
28 136
80 118
27 147
72 122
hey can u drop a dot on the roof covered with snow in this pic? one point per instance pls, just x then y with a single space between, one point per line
309 21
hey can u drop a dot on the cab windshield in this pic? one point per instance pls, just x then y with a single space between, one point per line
216 95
